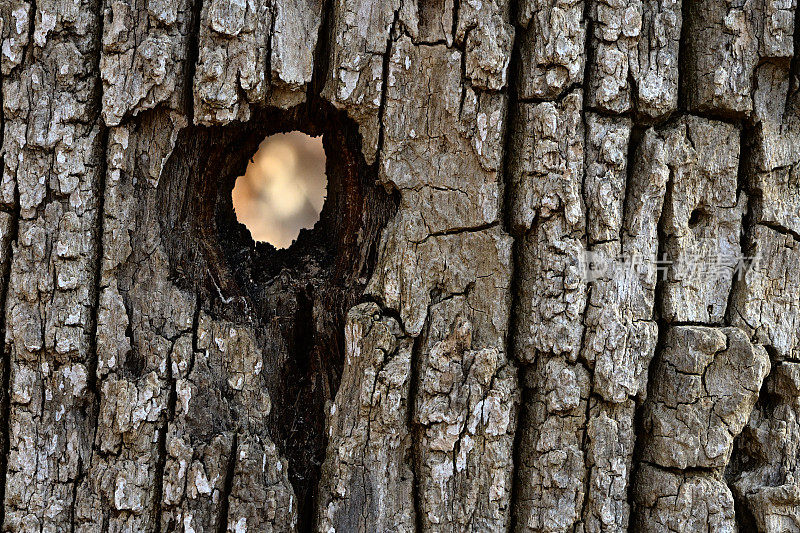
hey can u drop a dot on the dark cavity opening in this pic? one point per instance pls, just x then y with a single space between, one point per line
698 216
296 298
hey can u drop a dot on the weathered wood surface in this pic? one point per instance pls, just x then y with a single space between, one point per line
433 355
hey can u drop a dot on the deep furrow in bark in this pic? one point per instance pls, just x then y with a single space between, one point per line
682 62
415 430
98 237
192 56
638 423
384 80
581 359
98 269
321 54
747 139
638 415
92 384
161 448
222 520
99 224
512 108
28 53
635 139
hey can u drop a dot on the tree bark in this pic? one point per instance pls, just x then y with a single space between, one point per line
555 286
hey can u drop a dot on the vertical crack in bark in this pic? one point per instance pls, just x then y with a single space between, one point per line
525 397
222 521
384 79
748 221
638 424
192 56
465 81
587 468
91 364
589 57
415 429
97 237
683 57
638 414
28 53
75 496
321 54
742 514
635 139
161 450
512 111
304 344
661 254
99 226
745 518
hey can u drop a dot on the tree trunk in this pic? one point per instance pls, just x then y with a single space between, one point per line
555 285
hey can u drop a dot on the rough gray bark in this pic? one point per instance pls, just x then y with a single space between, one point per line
504 320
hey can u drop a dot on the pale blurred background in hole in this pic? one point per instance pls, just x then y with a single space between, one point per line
283 188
